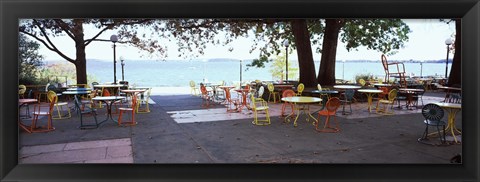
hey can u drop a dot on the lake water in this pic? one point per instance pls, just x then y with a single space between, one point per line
179 73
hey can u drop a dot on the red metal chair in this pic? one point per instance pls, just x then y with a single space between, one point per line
332 105
231 101
37 111
131 110
206 97
287 93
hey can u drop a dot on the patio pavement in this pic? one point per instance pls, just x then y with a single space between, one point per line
178 130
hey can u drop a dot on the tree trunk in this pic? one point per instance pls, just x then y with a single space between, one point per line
455 77
326 73
304 52
80 61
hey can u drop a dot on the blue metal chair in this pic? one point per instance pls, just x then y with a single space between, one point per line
433 115
347 99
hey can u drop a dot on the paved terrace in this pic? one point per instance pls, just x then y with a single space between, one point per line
178 130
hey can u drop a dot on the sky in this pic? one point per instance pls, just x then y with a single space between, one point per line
426 42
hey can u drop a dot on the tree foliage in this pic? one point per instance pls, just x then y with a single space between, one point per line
29 60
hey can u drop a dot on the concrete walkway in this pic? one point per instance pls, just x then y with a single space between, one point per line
168 135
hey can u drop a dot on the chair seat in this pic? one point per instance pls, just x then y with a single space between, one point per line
434 122
41 113
125 109
261 108
61 103
326 113
385 101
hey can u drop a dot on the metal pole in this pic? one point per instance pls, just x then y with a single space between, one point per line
446 62
114 65
240 74
286 64
421 69
123 79
343 70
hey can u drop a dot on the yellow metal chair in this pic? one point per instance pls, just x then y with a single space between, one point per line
142 106
300 89
387 102
193 88
259 106
362 82
59 105
21 91
271 89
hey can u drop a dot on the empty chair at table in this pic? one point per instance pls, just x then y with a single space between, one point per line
287 93
59 105
193 88
331 109
387 103
206 96
88 111
300 89
433 115
231 101
271 90
258 106
143 103
130 110
347 99
46 111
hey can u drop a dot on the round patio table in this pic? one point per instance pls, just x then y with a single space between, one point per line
114 88
370 93
109 100
382 85
345 87
410 92
21 103
244 93
452 110
303 102
131 92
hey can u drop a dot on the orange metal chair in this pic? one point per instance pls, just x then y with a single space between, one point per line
37 111
131 110
261 107
106 93
332 105
287 93
205 96
300 89
58 105
400 72
231 101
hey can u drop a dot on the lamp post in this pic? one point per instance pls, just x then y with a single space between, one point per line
421 69
448 42
286 43
114 39
123 64
240 74
343 70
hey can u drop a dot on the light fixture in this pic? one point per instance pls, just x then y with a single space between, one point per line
448 42
286 44
114 39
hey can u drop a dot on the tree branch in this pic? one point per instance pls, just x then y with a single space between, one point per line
53 47
64 27
88 41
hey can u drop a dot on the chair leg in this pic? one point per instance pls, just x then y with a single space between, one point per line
120 118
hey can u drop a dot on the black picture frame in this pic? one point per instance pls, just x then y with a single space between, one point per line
11 11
